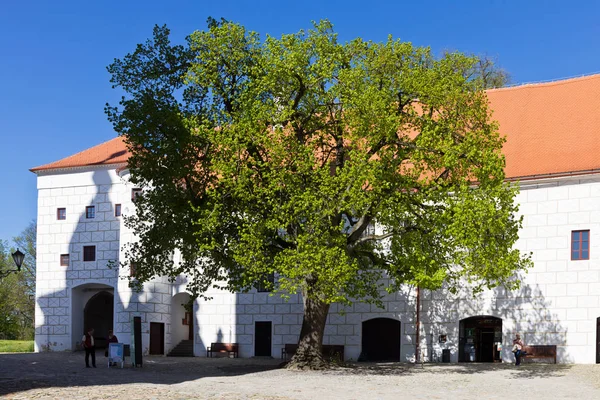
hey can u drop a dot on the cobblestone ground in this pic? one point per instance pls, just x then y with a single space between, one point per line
61 376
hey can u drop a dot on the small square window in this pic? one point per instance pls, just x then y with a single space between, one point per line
117 210
64 260
61 213
266 285
90 212
580 245
89 253
135 193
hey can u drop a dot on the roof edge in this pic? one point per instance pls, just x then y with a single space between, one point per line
49 171
554 82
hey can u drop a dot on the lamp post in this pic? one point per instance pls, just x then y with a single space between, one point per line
18 259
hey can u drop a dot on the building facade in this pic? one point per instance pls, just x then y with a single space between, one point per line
553 142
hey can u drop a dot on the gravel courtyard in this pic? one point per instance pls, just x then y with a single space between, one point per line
61 376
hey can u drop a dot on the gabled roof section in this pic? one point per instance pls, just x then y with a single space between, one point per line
551 128
113 152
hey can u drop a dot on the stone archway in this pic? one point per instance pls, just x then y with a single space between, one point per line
98 314
181 329
381 340
480 339
92 305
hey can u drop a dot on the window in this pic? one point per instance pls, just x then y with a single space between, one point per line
135 193
89 253
64 260
61 213
580 245
117 210
90 212
266 285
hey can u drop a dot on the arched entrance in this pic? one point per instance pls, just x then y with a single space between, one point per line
98 314
92 305
182 326
598 340
480 339
380 340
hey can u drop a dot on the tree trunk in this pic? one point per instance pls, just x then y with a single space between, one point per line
309 355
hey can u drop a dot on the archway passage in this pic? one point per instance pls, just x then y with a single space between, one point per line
181 328
598 340
480 339
380 340
98 314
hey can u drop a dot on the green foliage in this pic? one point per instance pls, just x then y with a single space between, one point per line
16 346
279 155
17 290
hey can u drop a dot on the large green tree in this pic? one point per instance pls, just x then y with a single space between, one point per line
331 165
17 290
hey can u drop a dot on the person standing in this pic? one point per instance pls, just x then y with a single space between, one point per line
90 348
518 348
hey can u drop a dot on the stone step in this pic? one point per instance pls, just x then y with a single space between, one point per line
185 348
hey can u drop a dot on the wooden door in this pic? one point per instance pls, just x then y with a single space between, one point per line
190 319
598 341
262 339
157 338
486 346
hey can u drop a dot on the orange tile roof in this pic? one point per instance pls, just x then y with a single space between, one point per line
112 152
551 128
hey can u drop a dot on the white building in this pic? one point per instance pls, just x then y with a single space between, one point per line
553 148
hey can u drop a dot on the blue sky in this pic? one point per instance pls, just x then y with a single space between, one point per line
53 81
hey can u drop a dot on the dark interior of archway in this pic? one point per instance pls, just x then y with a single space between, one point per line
380 340
479 338
98 314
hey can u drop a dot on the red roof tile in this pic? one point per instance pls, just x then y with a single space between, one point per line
551 128
112 152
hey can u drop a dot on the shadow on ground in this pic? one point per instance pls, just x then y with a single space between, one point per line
525 371
22 372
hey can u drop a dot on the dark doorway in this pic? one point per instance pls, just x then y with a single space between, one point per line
480 339
486 349
190 318
380 340
598 340
98 314
262 339
157 338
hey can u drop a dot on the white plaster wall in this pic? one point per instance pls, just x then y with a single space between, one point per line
153 303
74 191
557 304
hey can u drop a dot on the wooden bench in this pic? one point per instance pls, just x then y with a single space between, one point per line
545 351
330 351
229 348
289 349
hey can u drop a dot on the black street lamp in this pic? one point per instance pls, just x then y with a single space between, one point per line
18 258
